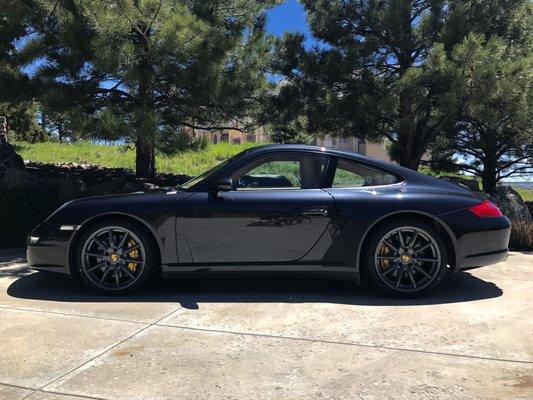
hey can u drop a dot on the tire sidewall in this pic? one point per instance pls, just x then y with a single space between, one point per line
149 250
369 268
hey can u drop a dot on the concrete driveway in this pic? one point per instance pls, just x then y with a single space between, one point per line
266 339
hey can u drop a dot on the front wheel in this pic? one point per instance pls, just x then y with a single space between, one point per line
115 257
406 259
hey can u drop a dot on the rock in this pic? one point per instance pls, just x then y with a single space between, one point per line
70 188
511 204
139 186
9 158
13 177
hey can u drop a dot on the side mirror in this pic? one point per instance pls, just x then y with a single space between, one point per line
223 185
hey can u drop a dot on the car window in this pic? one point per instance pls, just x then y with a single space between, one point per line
352 174
190 183
281 171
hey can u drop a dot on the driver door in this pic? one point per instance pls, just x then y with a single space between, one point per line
275 213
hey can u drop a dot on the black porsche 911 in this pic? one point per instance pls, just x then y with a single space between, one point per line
278 208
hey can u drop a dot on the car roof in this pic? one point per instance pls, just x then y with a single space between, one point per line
408 174
330 151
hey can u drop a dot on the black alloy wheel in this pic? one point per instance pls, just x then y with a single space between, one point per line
406 259
115 258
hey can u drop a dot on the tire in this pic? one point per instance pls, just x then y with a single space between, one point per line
117 263
410 271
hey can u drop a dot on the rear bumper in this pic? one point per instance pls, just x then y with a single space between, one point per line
479 249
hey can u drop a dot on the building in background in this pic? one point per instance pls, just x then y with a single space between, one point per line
229 135
258 134
374 150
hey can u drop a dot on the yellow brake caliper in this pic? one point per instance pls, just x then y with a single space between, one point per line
134 254
384 251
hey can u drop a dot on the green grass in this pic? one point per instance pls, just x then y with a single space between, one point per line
526 194
187 162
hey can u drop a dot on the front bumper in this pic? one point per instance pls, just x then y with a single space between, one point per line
51 251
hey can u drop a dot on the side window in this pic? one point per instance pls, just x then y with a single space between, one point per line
281 171
352 174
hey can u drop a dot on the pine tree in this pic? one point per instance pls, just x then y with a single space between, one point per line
493 135
382 69
144 69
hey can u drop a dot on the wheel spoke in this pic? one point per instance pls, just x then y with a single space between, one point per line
413 240
389 270
127 271
99 265
422 271
104 275
400 238
131 260
412 278
426 259
117 278
387 257
100 244
132 248
387 243
399 278
123 240
422 248
94 255
110 238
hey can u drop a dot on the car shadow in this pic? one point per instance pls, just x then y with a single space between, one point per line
190 293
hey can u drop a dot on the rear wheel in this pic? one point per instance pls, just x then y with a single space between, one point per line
406 258
115 257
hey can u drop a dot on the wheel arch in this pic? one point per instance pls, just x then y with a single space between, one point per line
74 242
447 234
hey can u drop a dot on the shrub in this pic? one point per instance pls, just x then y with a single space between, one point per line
21 209
521 236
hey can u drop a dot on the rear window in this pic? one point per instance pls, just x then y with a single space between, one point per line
351 174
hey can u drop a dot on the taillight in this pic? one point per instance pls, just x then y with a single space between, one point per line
485 210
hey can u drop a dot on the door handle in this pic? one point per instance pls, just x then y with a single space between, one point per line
316 212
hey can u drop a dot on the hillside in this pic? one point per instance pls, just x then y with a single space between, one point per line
187 162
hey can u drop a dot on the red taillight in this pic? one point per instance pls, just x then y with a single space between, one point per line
485 210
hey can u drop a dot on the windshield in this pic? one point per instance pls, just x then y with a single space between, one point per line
194 181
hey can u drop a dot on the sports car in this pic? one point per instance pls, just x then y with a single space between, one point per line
278 209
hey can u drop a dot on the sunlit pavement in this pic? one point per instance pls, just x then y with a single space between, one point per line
276 338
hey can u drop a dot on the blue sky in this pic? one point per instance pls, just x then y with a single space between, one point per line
288 17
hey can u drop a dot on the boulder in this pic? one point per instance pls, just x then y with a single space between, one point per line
511 204
9 158
13 177
70 188
139 186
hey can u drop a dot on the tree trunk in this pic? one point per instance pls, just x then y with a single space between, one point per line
407 147
60 130
144 157
489 176
489 181
409 159
145 125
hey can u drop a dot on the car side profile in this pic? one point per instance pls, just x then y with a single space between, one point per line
278 208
